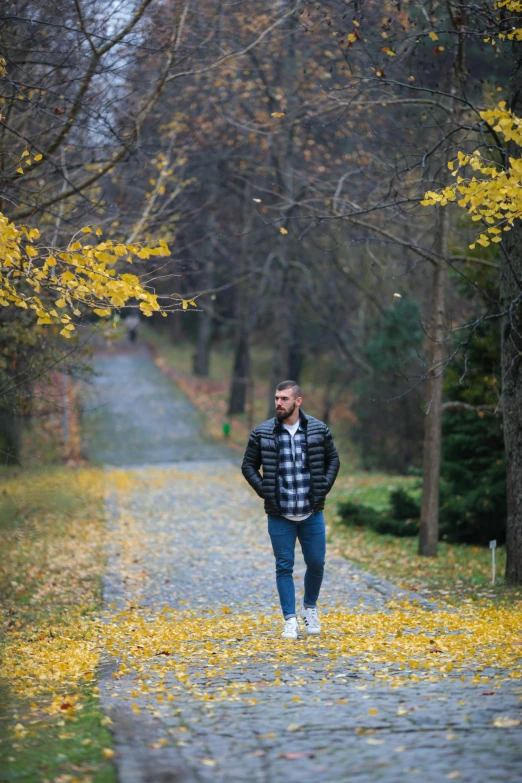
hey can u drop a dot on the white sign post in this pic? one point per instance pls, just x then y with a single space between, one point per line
492 546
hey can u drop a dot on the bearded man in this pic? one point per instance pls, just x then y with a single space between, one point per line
300 464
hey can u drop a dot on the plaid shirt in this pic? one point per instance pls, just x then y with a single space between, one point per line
294 474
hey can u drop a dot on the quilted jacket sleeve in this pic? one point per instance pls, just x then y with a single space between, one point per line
331 460
252 463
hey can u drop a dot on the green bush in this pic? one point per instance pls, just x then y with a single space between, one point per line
388 430
402 519
473 470
402 528
473 494
359 515
403 506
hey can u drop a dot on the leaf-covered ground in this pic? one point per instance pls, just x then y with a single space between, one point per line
52 538
195 680
393 688
195 663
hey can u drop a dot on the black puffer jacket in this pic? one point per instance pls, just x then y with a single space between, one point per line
263 451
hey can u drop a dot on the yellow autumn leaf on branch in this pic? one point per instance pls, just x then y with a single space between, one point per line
86 275
495 195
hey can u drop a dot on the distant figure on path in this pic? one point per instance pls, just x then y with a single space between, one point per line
300 464
132 323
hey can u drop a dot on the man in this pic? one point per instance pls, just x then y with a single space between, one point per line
300 464
132 323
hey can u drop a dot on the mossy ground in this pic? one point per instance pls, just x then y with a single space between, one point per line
55 748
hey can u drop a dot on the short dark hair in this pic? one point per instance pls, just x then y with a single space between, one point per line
296 389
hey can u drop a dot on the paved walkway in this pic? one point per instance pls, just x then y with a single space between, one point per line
136 417
189 537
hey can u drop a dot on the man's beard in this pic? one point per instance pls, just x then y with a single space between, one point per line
285 414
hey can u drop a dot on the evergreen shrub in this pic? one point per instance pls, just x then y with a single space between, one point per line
401 519
388 431
403 505
473 505
473 494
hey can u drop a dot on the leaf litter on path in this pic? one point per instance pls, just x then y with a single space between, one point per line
169 654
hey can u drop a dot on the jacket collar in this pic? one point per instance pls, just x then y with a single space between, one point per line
303 419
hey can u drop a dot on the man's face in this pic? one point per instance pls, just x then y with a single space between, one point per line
286 403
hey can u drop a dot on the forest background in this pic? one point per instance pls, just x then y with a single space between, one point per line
264 169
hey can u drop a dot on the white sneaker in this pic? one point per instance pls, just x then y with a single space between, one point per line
311 620
290 630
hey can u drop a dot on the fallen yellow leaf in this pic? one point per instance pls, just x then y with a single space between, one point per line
504 722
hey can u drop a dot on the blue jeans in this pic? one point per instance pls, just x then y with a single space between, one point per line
312 537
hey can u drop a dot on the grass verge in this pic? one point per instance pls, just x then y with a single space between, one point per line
461 572
52 542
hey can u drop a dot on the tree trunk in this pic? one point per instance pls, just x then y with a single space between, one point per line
176 327
429 525
287 358
329 398
240 378
511 301
285 166
295 357
281 342
280 365
202 355
174 321
240 383
10 437
201 365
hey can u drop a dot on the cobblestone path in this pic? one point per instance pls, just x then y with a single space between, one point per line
136 417
189 536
